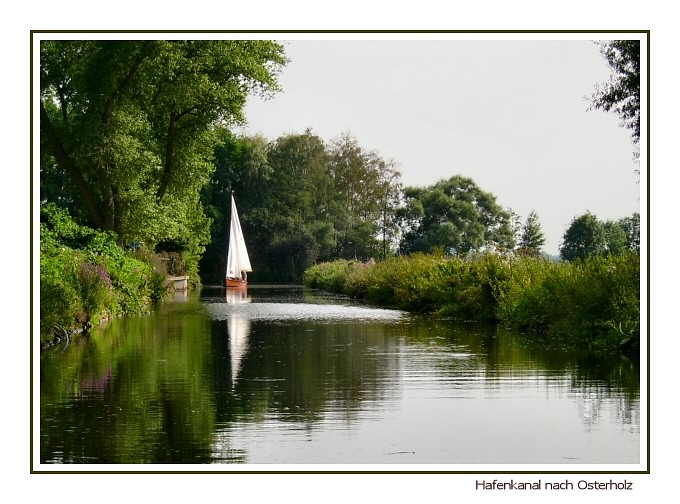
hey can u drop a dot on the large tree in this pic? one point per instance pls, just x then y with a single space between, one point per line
587 236
621 93
293 219
456 216
128 128
389 196
366 190
584 237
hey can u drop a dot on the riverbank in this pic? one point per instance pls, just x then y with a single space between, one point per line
593 304
86 278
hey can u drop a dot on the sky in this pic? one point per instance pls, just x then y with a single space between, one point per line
512 114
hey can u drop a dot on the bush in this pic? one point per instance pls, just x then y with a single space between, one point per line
86 278
592 303
329 276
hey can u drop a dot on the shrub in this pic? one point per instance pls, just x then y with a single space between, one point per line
85 277
592 303
329 276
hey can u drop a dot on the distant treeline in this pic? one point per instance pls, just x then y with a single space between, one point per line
303 200
300 201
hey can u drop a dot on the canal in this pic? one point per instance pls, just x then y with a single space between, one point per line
280 375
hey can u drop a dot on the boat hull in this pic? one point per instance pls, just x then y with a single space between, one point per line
235 283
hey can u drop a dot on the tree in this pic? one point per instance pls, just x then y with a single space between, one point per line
515 224
300 201
615 238
366 188
241 170
128 128
584 237
293 221
588 236
531 238
622 92
454 215
390 199
631 226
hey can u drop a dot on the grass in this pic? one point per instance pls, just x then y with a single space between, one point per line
592 303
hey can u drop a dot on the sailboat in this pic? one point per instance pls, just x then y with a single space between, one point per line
238 262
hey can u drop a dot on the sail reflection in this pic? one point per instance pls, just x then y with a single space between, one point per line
237 295
238 330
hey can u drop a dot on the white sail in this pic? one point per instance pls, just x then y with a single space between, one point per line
237 257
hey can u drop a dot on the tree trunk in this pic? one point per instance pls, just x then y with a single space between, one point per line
76 175
169 155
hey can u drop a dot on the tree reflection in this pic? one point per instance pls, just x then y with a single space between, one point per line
176 386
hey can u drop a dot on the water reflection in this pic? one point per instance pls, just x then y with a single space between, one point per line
239 328
281 376
237 296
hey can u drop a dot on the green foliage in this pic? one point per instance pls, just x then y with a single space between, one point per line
587 236
367 192
409 283
615 238
300 201
531 238
584 237
593 303
472 286
455 215
621 93
453 286
330 276
128 130
631 227
86 278
303 201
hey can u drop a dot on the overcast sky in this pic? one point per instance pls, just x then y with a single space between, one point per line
511 114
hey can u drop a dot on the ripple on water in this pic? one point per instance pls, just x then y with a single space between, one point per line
300 311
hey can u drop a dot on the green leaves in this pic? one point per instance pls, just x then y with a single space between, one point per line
301 200
594 303
588 236
622 92
85 277
531 238
456 215
128 127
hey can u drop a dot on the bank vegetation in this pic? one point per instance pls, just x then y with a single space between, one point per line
86 278
592 303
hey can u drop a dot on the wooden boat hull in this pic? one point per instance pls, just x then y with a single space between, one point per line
235 283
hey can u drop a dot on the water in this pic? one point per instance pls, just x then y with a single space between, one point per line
281 376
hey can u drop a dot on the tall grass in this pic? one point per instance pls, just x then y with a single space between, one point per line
593 303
